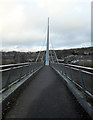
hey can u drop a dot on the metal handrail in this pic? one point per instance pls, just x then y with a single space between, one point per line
12 65
62 69
78 66
9 75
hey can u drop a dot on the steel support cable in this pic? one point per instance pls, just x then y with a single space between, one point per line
40 51
53 56
54 51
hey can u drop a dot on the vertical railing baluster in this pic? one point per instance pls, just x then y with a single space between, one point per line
27 70
30 68
64 70
21 72
81 79
8 79
61 70
70 74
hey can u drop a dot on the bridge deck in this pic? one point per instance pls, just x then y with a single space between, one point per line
46 96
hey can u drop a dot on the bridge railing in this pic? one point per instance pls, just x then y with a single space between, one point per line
80 76
14 73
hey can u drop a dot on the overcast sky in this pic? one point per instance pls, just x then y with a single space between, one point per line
23 24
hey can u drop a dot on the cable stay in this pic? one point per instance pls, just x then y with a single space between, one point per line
54 52
40 53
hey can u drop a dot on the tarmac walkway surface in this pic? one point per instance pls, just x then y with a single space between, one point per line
46 96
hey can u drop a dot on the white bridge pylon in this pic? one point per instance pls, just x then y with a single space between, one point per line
47 46
47 58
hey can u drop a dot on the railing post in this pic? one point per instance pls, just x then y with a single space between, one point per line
7 82
64 70
61 70
70 74
81 79
21 73
28 70
32 70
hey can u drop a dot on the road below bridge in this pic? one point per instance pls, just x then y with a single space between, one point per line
46 96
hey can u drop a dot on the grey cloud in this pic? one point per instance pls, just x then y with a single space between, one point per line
70 27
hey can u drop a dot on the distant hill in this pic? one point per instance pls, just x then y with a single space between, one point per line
78 56
81 56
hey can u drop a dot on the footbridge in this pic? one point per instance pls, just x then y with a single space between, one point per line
46 90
